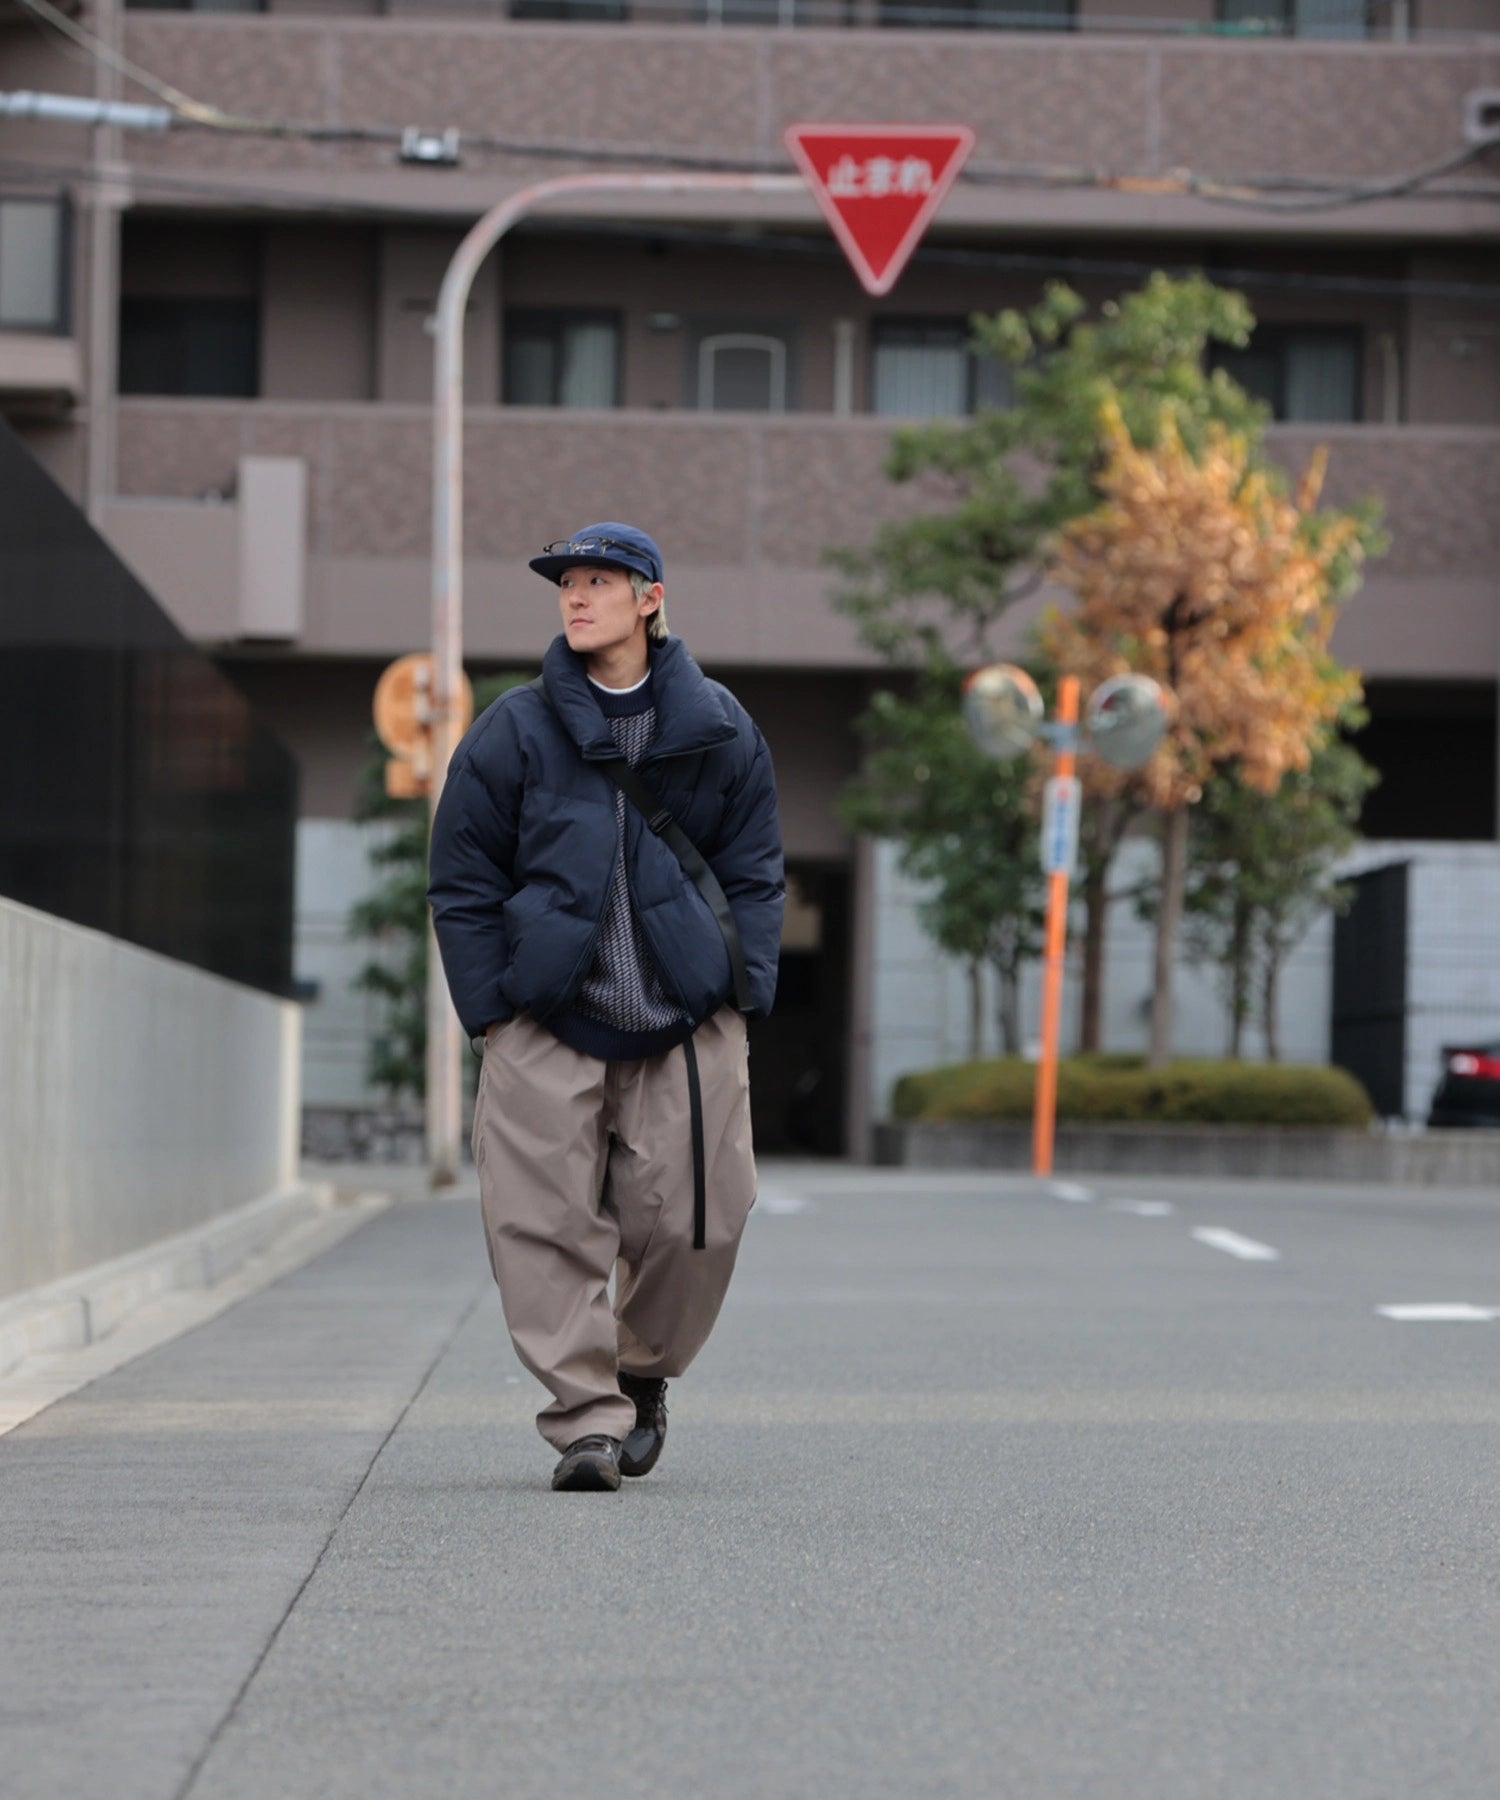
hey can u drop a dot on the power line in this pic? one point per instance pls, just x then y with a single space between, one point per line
198 187
1025 261
806 248
1280 195
103 52
1396 187
1008 19
1271 193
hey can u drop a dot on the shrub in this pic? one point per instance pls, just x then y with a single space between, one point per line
1119 1089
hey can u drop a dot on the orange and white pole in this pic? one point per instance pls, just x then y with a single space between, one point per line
1060 814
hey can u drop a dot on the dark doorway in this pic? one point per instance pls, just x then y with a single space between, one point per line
797 1056
1369 987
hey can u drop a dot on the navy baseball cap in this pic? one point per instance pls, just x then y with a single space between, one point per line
619 546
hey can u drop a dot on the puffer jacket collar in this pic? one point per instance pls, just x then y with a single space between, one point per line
689 715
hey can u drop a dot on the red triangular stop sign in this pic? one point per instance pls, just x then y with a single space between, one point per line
879 187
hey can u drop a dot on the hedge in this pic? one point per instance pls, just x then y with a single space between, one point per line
1122 1089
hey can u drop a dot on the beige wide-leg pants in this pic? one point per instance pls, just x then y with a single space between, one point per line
587 1167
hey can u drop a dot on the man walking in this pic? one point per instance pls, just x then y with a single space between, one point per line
607 890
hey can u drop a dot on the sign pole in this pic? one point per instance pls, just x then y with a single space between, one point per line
1059 843
1126 721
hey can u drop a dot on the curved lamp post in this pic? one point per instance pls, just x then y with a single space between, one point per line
444 1042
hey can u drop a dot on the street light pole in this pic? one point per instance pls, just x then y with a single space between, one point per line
444 1041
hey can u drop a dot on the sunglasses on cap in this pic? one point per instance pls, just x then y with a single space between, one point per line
590 547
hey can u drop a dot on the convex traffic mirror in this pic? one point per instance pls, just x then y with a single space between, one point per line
1003 710
1124 721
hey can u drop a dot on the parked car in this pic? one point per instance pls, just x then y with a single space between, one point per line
1469 1091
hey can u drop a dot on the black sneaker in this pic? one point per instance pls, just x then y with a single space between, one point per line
592 1464
640 1450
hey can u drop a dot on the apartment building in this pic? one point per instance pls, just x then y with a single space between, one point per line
219 341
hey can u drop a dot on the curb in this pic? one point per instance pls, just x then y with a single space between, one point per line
80 1309
1434 1159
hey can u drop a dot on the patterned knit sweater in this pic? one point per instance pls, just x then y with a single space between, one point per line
622 1011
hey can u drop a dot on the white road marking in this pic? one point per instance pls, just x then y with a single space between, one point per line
1070 1190
1458 1311
782 1203
1144 1209
1234 1245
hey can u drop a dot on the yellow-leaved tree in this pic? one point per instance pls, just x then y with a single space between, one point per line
1198 571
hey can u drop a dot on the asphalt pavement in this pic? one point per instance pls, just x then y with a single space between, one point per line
984 1486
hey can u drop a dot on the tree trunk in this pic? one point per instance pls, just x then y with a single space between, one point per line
1168 918
1106 826
976 1009
1239 979
1009 978
1095 917
1270 1019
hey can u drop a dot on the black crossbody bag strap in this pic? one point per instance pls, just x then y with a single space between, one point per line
661 822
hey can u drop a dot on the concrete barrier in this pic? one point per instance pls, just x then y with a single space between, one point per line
1288 1153
139 1098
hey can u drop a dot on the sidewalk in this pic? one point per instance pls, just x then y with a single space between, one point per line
158 1525
58 1338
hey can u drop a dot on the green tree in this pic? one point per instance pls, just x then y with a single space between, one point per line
1260 871
393 920
964 824
931 590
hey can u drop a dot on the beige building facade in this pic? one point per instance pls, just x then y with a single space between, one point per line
219 340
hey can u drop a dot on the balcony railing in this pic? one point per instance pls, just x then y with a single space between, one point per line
737 489
1308 19
1089 102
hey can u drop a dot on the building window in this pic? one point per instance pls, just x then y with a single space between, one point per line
32 248
589 11
924 369
182 346
1305 375
775 12
203 6
742 371
562 359
1302 18
979 15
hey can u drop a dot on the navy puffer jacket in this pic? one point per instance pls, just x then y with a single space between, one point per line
523 846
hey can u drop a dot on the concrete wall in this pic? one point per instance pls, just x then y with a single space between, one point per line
1445 1159
1453 370
1452 950
240 552
318 337
138 1097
